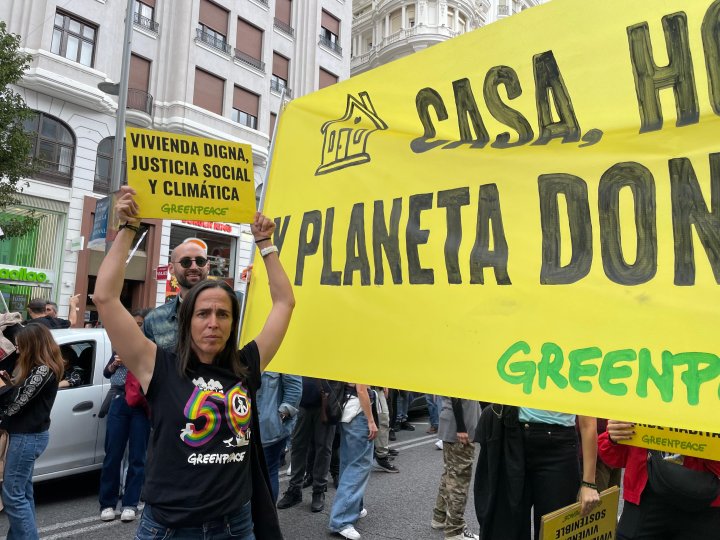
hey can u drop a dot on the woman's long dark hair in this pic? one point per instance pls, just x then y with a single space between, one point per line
37 348
229 357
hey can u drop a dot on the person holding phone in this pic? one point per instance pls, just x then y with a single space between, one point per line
26 399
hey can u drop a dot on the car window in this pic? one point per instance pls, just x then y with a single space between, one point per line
79 364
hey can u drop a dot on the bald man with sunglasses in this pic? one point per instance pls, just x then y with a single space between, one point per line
189 264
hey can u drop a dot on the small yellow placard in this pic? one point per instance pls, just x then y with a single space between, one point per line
567 523
184 177
688 442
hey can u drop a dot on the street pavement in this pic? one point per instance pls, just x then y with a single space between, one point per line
399 505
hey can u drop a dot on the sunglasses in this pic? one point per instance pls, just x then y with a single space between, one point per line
186 262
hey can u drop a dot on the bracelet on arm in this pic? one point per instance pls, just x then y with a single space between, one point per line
127 225
258 240
268 250
589 485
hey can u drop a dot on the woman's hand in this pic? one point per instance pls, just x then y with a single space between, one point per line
463 438
372 429
262 227
620 431
589 499
126 209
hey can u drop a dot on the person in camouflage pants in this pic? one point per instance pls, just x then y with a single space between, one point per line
458 417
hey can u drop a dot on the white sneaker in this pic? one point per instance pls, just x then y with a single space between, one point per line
465 535
107 514
363 513
350 533
439 444
128 514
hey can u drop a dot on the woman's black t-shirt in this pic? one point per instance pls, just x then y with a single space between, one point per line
198 467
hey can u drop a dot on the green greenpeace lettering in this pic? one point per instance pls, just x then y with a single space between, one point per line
22 274
615 372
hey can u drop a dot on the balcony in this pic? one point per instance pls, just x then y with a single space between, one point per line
212 41
503 10
249 60
144 22
277 86
283 27
139 100
332 45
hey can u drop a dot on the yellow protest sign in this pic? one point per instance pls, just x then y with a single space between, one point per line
184 177
687 442
568 523
527 214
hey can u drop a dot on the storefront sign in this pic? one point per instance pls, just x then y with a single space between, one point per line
184 177
161 272
222 227
100 222
21 273
537 215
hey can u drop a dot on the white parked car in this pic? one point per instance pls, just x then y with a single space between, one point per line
77 435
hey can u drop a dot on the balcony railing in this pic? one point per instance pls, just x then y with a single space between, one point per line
139 100
249 60
214 42
277 86
146 23
332 45
283 27
503 10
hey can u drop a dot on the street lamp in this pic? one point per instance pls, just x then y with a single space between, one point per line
120 89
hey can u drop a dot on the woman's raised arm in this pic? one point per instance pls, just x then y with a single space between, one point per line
283 300
137 352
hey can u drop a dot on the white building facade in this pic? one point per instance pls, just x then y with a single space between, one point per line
198 67
385 30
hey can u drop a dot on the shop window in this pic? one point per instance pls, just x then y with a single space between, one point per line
221 248
53 148
73 39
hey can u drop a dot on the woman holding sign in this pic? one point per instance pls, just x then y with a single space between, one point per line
664 499
205 475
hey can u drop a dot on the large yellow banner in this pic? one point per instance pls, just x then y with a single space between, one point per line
527 214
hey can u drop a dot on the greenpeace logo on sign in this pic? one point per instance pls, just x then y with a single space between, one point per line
23 274
345 139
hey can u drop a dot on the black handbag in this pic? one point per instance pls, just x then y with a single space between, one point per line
684 488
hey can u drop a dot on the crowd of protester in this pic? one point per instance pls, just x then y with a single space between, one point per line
214 426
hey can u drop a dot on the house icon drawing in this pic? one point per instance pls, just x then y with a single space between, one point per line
345 139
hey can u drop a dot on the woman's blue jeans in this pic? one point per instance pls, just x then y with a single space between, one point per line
238 527
124 424
17 489
356 455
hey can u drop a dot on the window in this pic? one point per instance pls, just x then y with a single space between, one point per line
245 107
283 16
144 14
326 79
212 27
209 91
53 148
104 165
330 32
74 39
138 97
273 120
248 44
281 67
79 363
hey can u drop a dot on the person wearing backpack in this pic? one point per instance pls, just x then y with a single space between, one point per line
650 513
357 429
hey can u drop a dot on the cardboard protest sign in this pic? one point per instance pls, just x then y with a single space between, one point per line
568 523
687 442
184 177
528 221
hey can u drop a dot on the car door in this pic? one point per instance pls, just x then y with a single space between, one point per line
74 424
